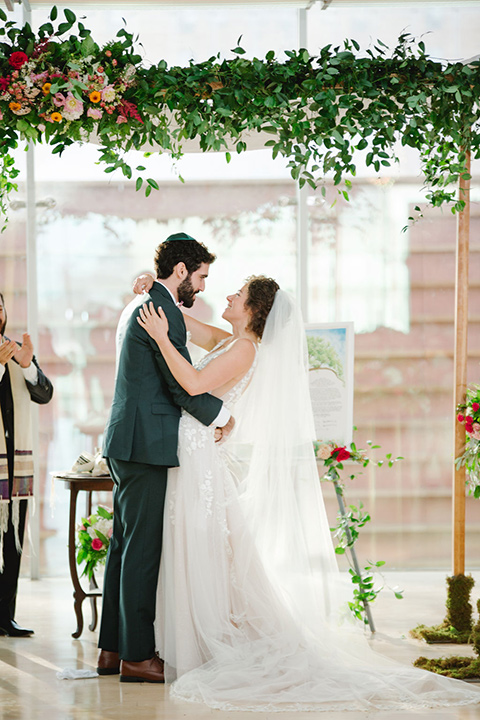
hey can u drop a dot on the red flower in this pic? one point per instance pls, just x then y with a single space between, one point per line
17 59
4 83
475 407
128 109
460 417
340 453
97 544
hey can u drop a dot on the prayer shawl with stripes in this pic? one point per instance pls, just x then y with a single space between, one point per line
22 486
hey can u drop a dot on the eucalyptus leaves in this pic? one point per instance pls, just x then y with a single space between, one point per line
319 110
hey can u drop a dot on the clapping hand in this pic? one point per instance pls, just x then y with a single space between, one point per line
24 354
155 323
8 348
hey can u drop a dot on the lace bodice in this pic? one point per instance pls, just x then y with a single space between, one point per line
230 397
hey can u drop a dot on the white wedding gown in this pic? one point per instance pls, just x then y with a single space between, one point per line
233 634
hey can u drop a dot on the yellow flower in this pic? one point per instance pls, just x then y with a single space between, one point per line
14 106
46 88
56 117
95 96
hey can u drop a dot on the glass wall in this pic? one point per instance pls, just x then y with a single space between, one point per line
95 234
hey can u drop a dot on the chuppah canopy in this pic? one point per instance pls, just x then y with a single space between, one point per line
316 111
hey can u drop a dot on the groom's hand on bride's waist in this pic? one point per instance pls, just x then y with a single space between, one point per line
221 433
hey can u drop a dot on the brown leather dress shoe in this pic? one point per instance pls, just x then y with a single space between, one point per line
108 663
145 671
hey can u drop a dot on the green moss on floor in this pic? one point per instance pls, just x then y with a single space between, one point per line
462 668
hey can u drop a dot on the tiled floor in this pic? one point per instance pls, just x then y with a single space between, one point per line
30 690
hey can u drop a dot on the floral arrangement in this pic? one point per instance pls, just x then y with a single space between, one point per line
59 86
469 415
55 82
351 519
93 539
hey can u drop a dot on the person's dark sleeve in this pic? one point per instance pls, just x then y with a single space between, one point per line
42 392
204 407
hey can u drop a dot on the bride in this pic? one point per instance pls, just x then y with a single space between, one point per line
249 607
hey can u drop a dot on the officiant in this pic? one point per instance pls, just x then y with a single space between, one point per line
21 382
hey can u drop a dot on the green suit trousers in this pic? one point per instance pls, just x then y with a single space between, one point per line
133 561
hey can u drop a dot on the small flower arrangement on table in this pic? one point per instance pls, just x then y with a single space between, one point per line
469 415
93 539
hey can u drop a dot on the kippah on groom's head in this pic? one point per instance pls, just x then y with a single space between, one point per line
180 247
179 236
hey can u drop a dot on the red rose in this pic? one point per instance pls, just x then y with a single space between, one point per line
341 453
17 59
460 417
97 544
475 407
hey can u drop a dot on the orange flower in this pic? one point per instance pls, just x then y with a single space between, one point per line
46 88
95 96
14 106
56 117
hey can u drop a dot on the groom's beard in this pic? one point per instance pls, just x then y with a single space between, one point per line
186 293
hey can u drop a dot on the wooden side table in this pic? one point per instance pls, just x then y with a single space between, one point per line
89 484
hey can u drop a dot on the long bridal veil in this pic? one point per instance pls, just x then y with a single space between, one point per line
271 452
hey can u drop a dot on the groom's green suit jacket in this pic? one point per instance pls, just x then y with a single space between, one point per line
143 424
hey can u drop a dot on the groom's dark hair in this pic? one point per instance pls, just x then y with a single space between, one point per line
181 249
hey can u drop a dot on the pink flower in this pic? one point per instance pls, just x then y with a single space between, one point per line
94 113
97 544
475 407
324 452
121 119
40 126
108 93
59 99
4 83
73 108
40 77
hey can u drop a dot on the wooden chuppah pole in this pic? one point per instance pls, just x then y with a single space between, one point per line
460 362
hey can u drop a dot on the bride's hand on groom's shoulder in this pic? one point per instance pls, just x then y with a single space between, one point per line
143 283
154 322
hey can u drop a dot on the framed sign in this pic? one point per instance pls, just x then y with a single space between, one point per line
331 355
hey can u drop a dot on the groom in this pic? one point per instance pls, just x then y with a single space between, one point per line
140 445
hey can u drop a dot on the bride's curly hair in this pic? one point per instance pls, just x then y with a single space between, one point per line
260 296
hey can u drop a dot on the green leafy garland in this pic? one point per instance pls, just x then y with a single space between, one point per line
59 87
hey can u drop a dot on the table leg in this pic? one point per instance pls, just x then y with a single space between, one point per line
78 593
